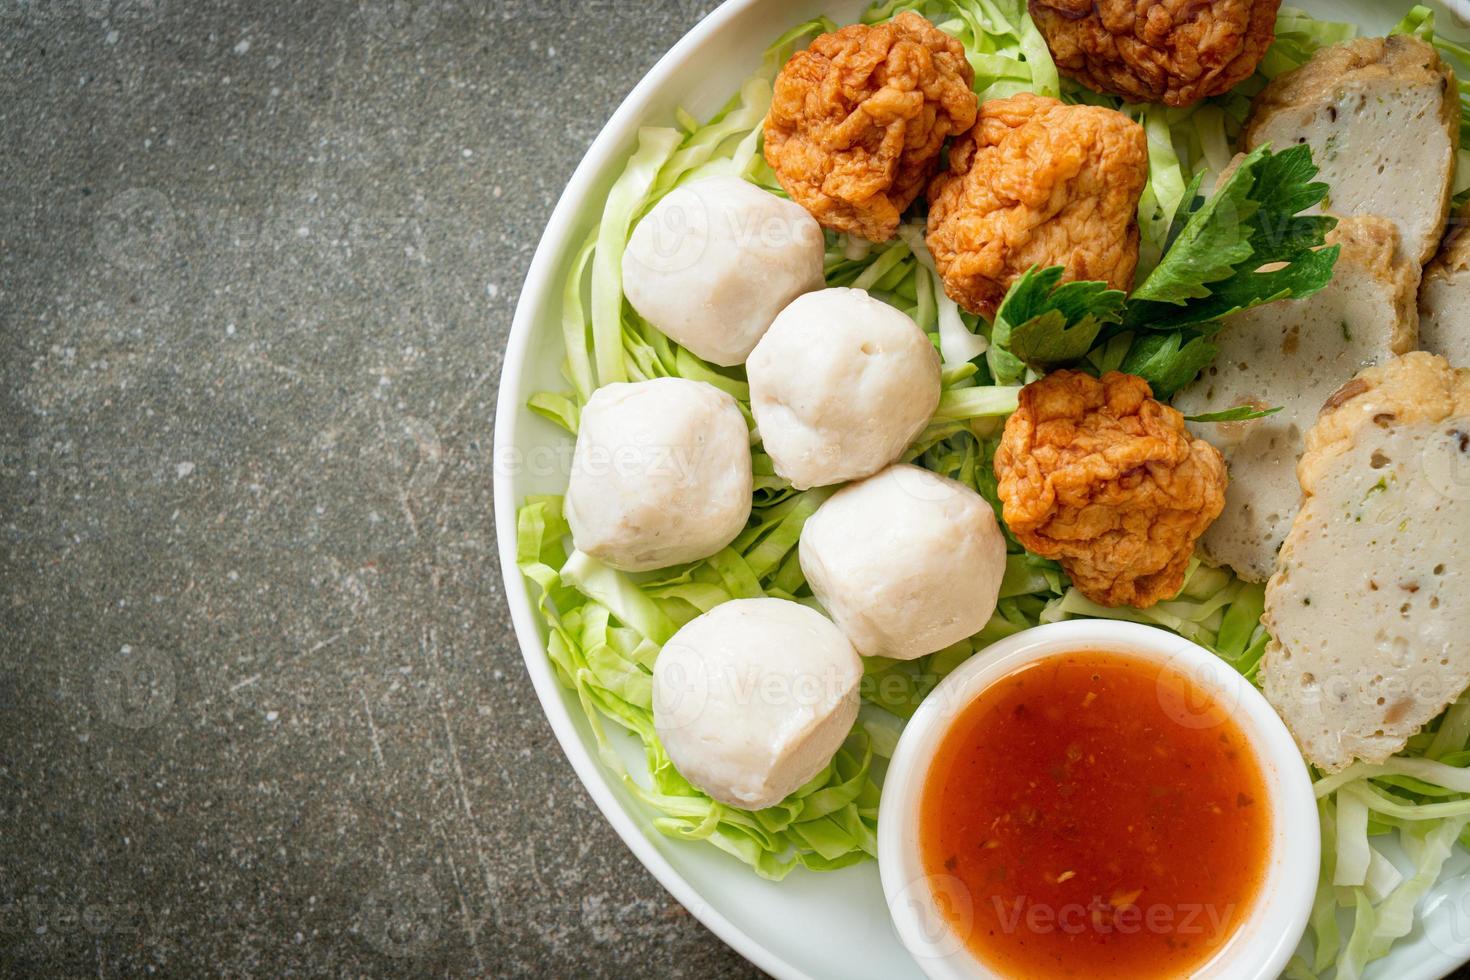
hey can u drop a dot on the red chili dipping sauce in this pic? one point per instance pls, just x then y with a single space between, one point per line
1095 815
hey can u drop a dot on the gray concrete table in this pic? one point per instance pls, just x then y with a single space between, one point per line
261 711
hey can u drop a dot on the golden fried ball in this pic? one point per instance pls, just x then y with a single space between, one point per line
1101 477
858 119
1171 51
1037 182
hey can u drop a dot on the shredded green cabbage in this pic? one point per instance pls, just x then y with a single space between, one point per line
1004 47
605 627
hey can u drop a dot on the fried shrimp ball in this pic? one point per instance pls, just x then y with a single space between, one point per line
858 119
1171 51
1103 478
1037 182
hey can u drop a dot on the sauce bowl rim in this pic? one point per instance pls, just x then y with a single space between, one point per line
1260 946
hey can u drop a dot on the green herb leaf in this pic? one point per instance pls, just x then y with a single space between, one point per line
1246 245
1212 239
1044 322
1297 280
1049 339
1240 413
1169 361
1190 202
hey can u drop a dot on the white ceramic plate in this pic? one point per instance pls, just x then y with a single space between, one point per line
810 925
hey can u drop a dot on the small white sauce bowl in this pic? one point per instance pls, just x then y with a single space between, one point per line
1260 946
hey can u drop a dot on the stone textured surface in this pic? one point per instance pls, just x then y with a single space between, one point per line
261 711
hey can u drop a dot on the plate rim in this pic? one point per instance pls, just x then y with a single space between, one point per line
509 402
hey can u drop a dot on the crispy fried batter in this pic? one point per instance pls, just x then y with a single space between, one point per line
1171 51
1103 478
1037 182
858 119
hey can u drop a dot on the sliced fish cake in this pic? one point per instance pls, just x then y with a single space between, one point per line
1382 116
1444 298
1367 609
1293 355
